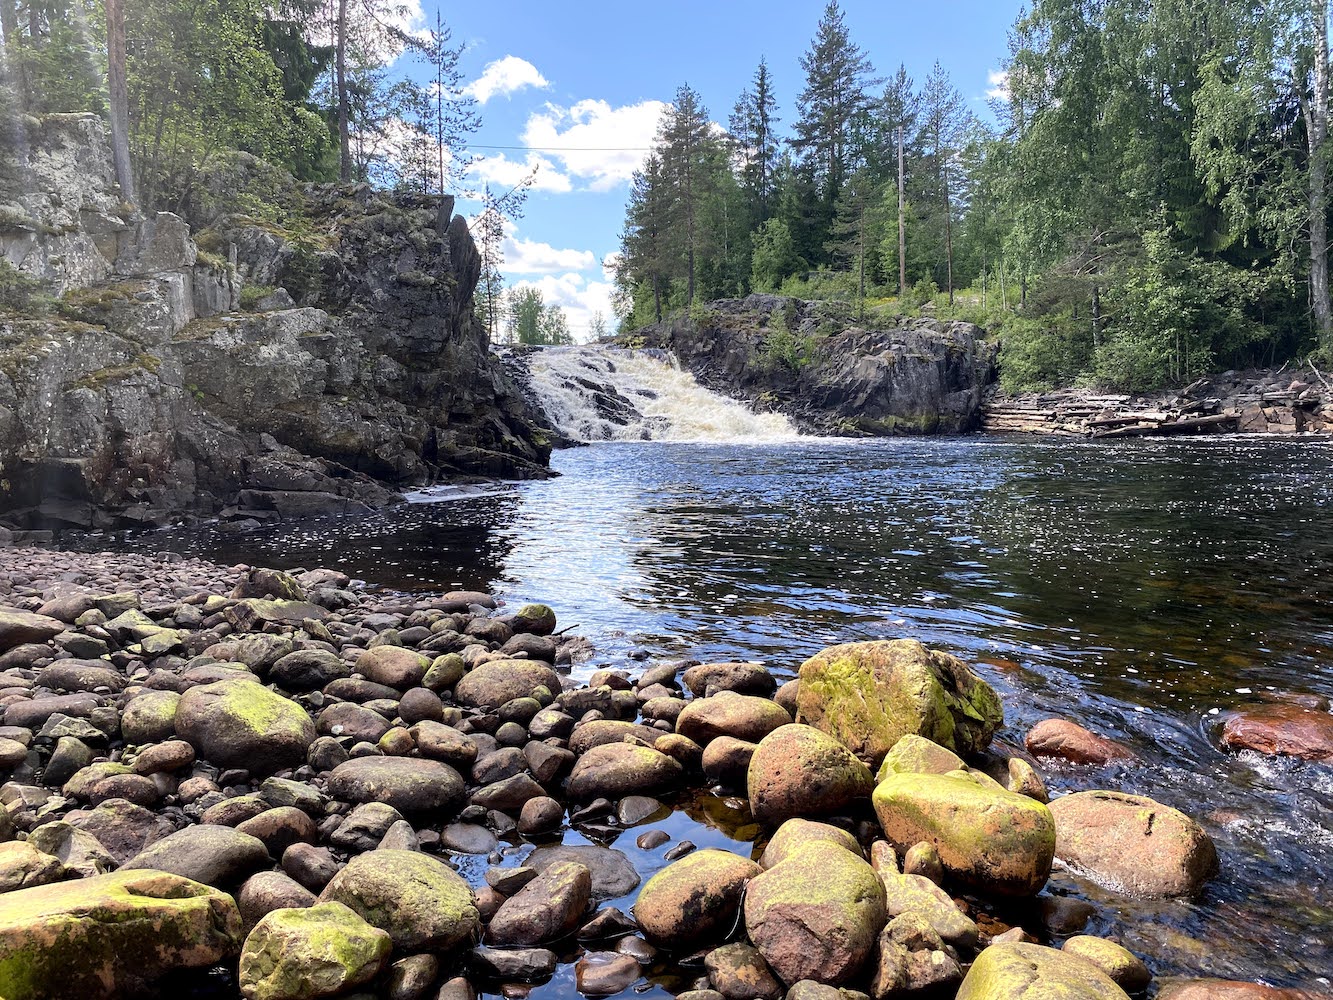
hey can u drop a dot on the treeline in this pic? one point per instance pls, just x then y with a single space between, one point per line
1146 202
310 85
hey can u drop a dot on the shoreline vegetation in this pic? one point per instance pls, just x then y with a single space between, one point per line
281 776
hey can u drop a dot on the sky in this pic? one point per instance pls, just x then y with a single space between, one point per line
577 89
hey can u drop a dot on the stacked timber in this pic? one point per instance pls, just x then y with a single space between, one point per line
1253 402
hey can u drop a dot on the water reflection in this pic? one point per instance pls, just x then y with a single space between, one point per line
1137 587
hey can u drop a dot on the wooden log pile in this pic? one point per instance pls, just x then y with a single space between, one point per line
1254 402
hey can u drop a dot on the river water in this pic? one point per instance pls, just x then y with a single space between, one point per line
1139 588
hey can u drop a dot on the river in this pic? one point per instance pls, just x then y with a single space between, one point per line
1139 588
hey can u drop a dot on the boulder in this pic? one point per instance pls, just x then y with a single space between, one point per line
615 770
742 716
214 855
548 908
1290 729
1071 742
1131 844
306 954
989 839
492 684
421 902
867 695
918 894
796 833
918 755
816 915
111 934
739 972
411 785
18 627
694 900
22 866
241 723
1121 965
613 875
798 770
1018 971
150 717
393 665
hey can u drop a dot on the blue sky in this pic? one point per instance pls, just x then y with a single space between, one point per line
552 77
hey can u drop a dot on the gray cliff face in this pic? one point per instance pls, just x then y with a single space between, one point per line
147 394
809 360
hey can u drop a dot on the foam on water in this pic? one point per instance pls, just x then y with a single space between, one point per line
598 393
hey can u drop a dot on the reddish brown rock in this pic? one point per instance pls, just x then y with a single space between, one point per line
1070 741
1289 729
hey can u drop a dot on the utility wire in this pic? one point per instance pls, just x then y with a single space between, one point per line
567 149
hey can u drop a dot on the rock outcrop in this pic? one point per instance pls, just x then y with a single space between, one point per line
830 373
236 366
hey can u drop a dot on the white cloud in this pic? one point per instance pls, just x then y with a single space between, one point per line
505 77
531 257
999 85
579 297
502 172
594 141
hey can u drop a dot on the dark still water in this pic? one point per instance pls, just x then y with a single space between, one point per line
1138 588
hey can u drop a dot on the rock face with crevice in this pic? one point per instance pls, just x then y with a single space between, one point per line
830 372
144 392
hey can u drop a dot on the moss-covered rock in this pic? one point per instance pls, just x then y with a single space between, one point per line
109 935
1033 972
421 902
309 953
240 723
796 833
918 755
1124 968
816 915
150 717
918 894
1132 844
868 695
988 839
538 619
694 900
798 770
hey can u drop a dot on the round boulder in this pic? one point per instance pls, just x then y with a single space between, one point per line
421 902
394 666
1131 844
409 784
867 695
694 900
798 770
307 954
1033 972
241 723
796 833
742 716
615 770
1069 741
989 839
1289 729
816 915
492 684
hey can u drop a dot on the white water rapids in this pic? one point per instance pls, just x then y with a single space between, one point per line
595 393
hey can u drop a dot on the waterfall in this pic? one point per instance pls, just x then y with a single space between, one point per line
597 393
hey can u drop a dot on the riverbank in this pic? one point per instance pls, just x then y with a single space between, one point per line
420 776
1288 400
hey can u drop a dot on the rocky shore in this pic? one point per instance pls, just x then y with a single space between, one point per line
285 786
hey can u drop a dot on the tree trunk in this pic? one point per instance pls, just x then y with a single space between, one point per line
340 71
1096 316
902 224
120 100
9 21
948 234
1317 127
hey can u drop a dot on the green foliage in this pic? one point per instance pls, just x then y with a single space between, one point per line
784 348
19 293
532 321
251 295
772 257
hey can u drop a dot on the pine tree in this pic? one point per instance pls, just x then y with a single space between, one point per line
753 126
645 243
690 156
837 75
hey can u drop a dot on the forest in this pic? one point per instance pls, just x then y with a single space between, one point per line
1145 202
